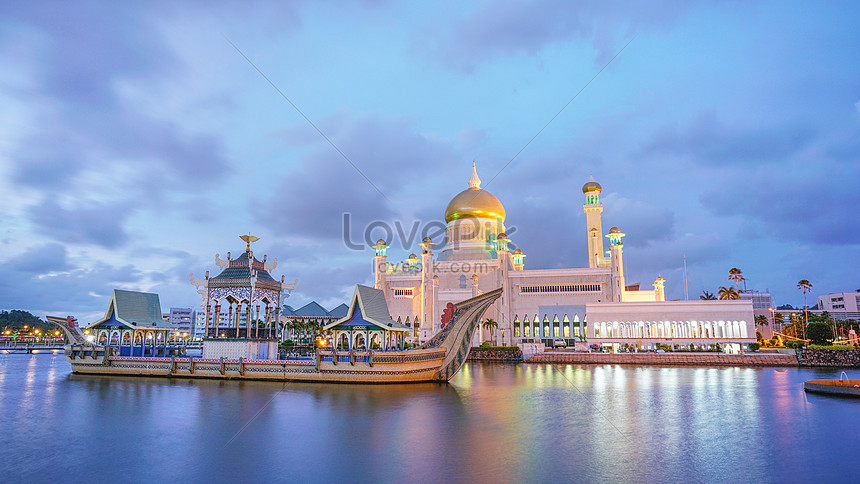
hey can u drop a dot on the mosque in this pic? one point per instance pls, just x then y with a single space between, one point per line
548 306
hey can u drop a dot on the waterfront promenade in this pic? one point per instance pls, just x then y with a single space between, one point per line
667 359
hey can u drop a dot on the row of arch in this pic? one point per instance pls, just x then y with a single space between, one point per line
357 340
671 329
257 317
551 328
128 337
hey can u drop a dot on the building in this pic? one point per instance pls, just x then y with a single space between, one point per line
841 305
542 305
763 305
184 321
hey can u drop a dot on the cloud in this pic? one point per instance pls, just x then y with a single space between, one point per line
510 27
792 204
709 140
40 260
90 140
97 224
314 196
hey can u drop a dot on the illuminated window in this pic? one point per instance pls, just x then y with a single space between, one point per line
403 291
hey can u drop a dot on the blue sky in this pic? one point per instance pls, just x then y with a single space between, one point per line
136 142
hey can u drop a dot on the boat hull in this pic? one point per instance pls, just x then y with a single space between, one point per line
401 367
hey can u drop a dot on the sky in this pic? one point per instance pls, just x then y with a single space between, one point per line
139 139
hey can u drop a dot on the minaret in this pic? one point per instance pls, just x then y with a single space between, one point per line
380 268
593 222
617 272
428 293
659 291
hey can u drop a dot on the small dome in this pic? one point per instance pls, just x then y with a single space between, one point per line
380 242
502 236
518 252
427 240
591 186
413 256
614 230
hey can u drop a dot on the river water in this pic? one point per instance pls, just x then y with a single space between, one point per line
491 423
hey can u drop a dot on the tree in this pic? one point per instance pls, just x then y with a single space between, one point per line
491 325
728 293
761 321
735 274
819 333
707 296
804 286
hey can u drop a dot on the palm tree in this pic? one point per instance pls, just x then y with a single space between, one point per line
707 296
761 321
804 286
735 274
491 325
727 293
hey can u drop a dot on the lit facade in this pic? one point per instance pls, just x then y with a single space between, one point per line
537 305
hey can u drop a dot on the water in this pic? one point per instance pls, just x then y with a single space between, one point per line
492 423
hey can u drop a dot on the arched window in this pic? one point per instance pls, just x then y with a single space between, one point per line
462 281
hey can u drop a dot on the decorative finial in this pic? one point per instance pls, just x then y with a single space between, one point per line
474 181
249 238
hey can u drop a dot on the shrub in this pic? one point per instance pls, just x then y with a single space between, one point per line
486 344
288 344
496 348
831 347
754 346
794 344
819 333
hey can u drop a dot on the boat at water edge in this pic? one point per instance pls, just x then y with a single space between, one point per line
437 360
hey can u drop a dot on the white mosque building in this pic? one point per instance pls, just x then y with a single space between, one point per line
590 303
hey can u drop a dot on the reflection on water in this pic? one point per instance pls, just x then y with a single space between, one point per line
493 422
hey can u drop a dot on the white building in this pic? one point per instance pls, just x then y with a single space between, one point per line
184 320
543 304
841 305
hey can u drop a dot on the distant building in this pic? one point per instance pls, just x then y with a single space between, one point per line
763 305
311 311
184 320
841 305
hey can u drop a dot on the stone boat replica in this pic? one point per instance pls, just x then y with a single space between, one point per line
368 321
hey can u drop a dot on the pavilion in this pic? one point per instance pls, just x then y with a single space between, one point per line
134 324
367 320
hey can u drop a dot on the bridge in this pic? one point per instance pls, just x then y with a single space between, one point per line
13 347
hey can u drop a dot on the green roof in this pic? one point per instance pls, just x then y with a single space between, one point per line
134 309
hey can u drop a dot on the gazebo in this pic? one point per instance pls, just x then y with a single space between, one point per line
367 324
251 297
134 324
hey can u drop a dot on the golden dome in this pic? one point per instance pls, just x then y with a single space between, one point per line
474 202
614 230
591 186
518 252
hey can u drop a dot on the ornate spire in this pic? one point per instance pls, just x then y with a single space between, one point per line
249 238
474 181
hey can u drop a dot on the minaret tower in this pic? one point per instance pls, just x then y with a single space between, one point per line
593 222
428 290
617 265
380 268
